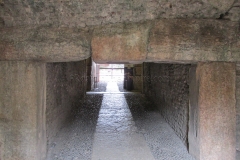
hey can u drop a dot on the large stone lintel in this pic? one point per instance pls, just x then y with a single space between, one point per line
194 40
44 44
166 40
120 43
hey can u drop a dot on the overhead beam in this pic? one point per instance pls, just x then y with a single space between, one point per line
120 42
166 40
44 44
184 40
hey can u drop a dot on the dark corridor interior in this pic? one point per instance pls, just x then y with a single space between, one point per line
113 123
110 122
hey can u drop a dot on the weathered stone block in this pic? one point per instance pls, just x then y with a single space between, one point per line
79 13
66 87
22 111
44 44
194 40
222 4
216 110
120 43
166 85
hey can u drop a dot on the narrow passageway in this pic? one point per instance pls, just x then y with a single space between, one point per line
117 126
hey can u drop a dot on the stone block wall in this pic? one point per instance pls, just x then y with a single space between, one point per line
137 77
22 108
167 86
66 86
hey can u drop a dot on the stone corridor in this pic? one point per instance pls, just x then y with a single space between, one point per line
182 55
116 126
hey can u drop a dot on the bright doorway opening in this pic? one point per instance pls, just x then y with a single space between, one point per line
111 72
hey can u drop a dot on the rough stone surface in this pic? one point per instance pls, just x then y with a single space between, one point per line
234 13
22 111
158 40
137 77
66 86
120 43
217 120
194 40
81 13
90 67
44 44
238 111
167 87
60 31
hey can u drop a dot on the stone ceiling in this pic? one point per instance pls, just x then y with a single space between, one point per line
120 30
81 13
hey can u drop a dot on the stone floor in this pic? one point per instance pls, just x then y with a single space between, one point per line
117 126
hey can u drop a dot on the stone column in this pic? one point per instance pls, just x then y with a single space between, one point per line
22 110
238 112
212 121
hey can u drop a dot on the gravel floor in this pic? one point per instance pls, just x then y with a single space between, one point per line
75 139
160 137
79 138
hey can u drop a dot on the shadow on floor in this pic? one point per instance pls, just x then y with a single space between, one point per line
138 103
160 137
74 141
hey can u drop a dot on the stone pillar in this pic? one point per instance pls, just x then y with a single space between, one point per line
22 110
238 112
212 120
